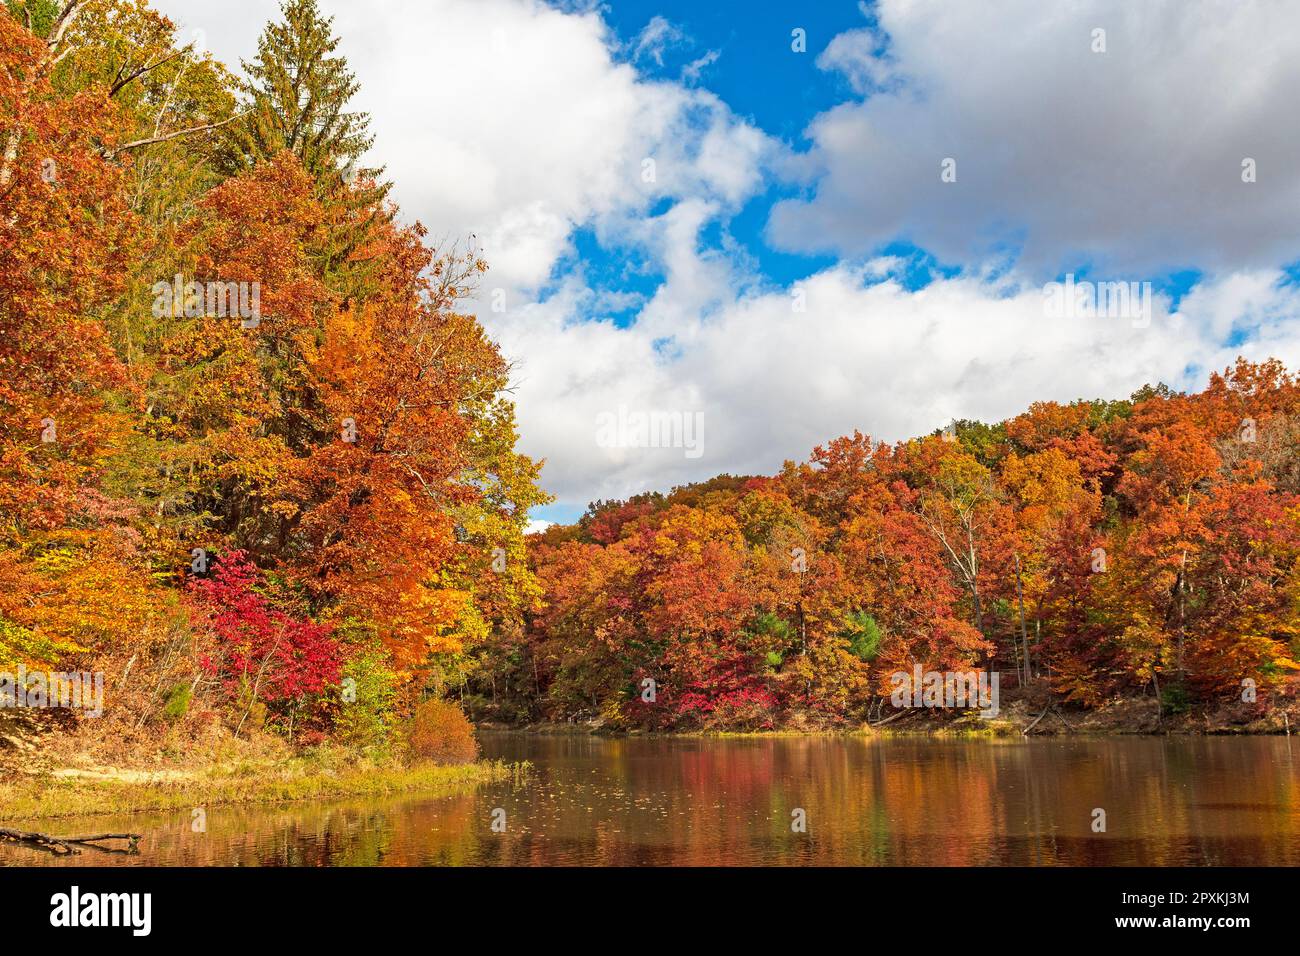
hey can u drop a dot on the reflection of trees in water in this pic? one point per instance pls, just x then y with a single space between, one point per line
904 801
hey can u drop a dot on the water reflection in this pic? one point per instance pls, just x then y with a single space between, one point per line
595 801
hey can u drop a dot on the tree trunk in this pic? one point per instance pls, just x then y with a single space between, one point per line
1024 632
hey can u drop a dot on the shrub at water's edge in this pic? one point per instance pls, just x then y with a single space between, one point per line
438 731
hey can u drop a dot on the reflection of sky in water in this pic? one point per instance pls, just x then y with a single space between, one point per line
598 801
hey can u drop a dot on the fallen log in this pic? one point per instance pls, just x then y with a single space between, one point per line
63 846
1026 731
1057 714
893 717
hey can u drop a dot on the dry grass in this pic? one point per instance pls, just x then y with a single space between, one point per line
79 791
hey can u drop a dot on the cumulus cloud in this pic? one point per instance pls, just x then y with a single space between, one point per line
771 382
512 120
1129 158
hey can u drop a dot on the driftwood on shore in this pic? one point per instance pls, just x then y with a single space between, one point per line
893 717
1035 722
66 845
1051 709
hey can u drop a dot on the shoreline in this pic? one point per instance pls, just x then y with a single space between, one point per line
73 788
939 730
1132 717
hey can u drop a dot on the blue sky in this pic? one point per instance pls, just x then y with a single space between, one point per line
797 266
753 71
749 63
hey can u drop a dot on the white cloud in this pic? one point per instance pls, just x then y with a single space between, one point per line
1129 158
692 71
771 382
654 40
513 121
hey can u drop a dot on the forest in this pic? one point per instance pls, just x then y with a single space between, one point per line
258 466
1092 551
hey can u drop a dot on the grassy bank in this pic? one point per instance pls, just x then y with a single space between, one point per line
79 792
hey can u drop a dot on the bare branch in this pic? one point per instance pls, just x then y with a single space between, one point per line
136 74
149 141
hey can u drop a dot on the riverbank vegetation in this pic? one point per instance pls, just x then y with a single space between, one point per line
257 467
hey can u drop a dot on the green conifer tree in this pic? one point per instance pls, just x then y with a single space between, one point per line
297 90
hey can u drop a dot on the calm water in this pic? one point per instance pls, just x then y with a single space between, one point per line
594 801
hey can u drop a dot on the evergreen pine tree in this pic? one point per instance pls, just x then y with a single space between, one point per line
297 92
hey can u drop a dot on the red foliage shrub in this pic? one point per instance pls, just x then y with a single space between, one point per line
282 657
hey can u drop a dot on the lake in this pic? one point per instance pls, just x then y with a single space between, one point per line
739 801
